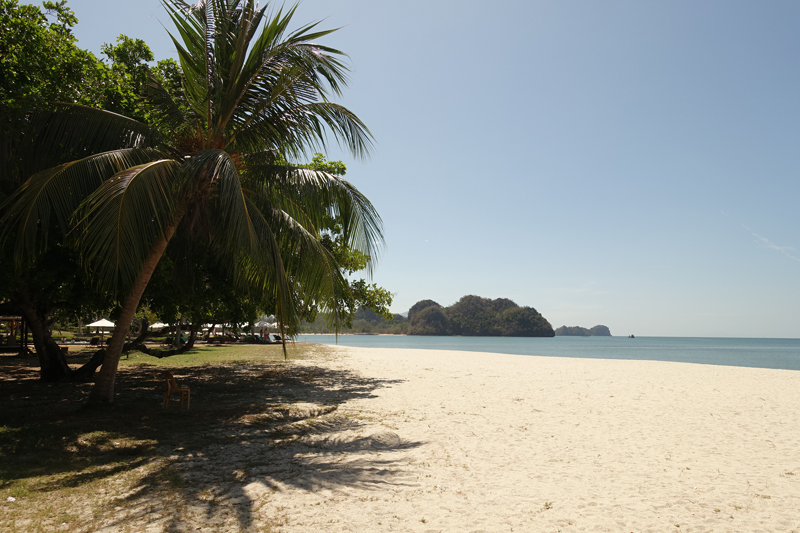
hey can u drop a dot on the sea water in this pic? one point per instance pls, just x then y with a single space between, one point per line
759 353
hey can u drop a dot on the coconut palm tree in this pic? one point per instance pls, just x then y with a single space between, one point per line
211 166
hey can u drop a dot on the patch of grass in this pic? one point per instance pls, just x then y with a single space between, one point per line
241 354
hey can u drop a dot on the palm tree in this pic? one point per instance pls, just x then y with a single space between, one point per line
255 95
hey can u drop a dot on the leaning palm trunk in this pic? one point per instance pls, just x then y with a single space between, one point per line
103 391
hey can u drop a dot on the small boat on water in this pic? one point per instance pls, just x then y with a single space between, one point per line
631 337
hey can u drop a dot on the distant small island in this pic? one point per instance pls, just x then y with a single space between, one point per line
577 331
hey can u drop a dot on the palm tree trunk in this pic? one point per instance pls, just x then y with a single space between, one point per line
103 390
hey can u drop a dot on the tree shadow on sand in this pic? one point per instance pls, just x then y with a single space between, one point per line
252 430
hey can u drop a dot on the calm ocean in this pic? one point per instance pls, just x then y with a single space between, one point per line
759 353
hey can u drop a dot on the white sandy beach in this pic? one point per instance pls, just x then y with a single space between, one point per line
458 441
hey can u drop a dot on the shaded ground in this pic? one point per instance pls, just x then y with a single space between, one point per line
256 423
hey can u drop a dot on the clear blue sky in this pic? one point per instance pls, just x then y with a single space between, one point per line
633 164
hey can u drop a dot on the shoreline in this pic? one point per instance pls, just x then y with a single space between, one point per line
566 336
748 353
457 441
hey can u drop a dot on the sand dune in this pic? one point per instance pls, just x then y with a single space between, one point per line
458 441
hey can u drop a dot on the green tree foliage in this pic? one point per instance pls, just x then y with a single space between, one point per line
419 306
359 294
204 294
473 315
364 321
431 320
256 94
523 322
476 316
427 317
131 73
41 64
368 321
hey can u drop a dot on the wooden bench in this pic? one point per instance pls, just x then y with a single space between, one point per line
172 387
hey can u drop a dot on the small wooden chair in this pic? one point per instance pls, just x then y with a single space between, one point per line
172 386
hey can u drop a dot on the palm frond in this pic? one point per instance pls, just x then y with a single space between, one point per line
66 132
313 273
163 109
54 195
79 130
298 130
266 88
314 197
118 223
260 267
190 43
232 224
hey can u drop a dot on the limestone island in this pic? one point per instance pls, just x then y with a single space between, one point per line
476 316
577 331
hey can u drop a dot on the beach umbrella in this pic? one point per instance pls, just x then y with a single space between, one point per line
102 325
261 324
